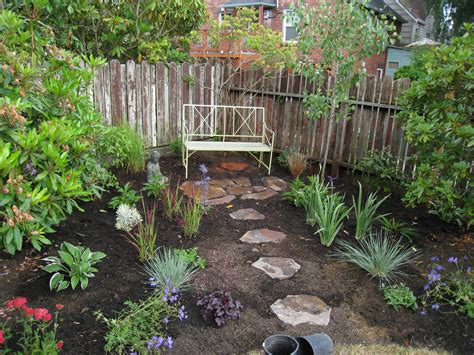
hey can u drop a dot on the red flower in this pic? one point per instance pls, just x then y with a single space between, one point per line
59 345
16 302
39 313
59 306
2 337
27 311
47 317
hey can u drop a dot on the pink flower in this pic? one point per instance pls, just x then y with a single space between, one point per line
2 337
16 302
59 306
40 313
27 311
47 317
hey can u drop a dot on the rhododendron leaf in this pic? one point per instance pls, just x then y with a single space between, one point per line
74 281
63 285
55 280
67 258
84 282
52 267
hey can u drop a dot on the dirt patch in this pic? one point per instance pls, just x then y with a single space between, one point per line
359 313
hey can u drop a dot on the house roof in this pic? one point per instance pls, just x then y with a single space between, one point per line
242 3
380 7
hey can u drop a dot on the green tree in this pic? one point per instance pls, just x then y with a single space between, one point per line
449 16
341 34
123 29
437 120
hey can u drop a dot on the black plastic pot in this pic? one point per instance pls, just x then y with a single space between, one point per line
280 344
320 344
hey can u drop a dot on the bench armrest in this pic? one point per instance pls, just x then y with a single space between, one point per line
268 135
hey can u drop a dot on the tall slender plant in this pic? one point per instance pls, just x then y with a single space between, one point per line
343 34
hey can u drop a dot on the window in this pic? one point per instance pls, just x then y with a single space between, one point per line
289 26
417 34
393 65
428 35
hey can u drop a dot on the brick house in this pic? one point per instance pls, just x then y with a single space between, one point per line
411 19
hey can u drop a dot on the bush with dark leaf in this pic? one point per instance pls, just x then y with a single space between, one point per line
220 306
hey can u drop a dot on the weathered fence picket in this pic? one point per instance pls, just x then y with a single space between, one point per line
150 97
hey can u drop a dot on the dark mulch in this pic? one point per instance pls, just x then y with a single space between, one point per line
359 313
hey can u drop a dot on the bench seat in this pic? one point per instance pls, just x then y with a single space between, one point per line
227 146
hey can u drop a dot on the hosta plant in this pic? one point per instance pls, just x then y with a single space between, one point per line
220 307
399 296
74 266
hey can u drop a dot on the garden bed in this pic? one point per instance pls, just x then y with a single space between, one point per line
359 312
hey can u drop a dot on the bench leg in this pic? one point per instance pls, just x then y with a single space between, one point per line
260 160
270 162
186 164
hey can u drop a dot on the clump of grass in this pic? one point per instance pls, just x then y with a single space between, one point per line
378 254
366 213
296 163
191 215
171 199
169 268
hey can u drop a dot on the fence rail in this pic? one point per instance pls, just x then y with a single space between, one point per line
150 98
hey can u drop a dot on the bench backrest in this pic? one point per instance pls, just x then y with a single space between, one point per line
223 122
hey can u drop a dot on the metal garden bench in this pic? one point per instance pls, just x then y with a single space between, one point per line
226 129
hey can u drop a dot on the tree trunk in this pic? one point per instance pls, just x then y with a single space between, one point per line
332 115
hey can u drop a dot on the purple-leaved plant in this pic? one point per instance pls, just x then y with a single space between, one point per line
220 306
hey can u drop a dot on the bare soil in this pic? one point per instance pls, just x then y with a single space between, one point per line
359 313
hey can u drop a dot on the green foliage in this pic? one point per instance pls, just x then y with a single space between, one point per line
170 270
416 69
48 130
191 257
336 29
124 148
147 29
171 199
155 187
397 228
378 254
399 296
137 324
366 214
73 266
437 121
450 285
125 195
382 169
176 146
299 191
191 215
328 213
449 17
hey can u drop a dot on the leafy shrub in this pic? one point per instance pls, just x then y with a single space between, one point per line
379 255
399 296
125 196
37 330
167 269
450 285
176 146
220 307
191 214
191 256
328 213
75 263
366 214
155 186
141 327
397 228
171 201
436 117
382 169
48 133
144 236
124 148
299 191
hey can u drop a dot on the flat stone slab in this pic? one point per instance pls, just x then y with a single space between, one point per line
277 268
242 181
299 309
233 166
260 188
221 182
262 236
220 200
259 195
239 190
275 183
246 214
192 190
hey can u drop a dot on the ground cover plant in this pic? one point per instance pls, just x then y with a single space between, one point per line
220 307
125 196
400 296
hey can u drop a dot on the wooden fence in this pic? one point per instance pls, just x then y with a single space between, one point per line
150 97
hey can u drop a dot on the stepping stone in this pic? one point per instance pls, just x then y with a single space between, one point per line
221 182
260 188
239 190
259 195
192 190
220 200
233 166
262 236
275 183
277 268
246 214
242 181
299 309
